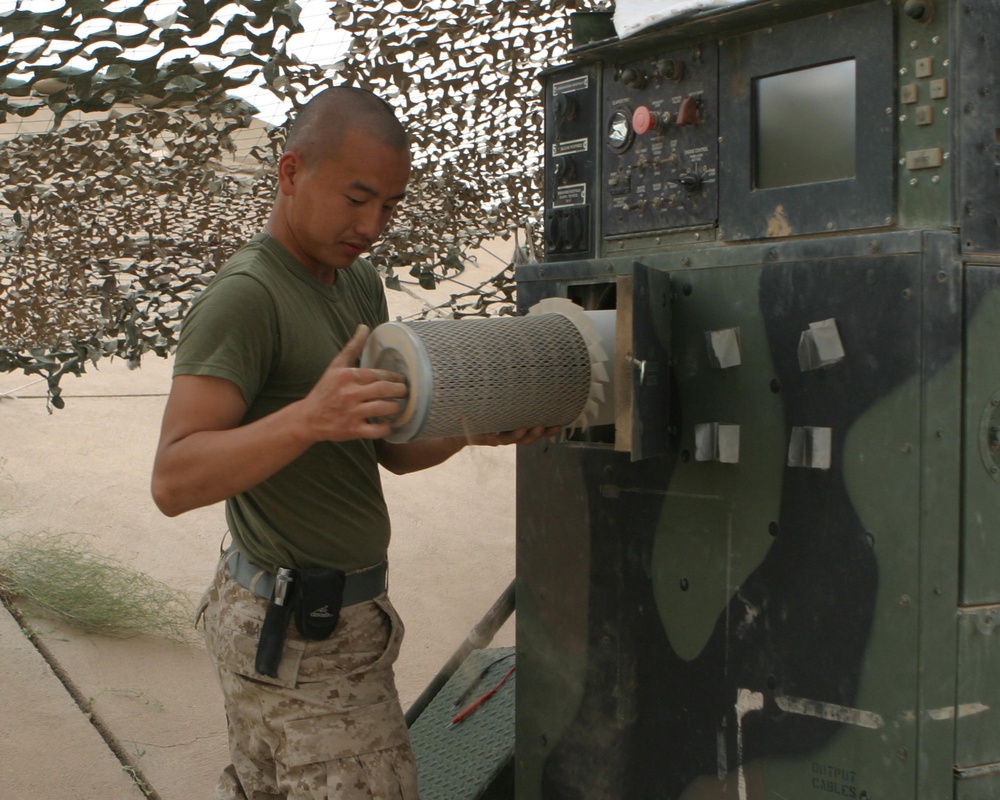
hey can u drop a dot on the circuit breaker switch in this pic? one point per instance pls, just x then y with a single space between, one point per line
820 346
811 448
717 441
724 347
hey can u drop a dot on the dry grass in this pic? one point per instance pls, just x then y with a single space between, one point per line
66 580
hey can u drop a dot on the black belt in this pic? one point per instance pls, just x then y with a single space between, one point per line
360 586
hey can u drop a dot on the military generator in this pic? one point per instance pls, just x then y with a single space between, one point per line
773 571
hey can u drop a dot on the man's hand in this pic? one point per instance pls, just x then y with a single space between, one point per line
350 402
518 436
424 453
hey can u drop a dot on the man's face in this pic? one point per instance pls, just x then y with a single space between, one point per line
338 207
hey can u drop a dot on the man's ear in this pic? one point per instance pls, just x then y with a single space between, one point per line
289 168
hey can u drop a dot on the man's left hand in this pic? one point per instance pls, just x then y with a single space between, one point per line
518 436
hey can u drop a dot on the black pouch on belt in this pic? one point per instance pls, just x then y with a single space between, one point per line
319 594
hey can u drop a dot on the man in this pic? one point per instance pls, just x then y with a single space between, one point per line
269 412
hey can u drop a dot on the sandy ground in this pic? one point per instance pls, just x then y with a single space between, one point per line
85 470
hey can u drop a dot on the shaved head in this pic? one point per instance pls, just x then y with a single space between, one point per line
321 125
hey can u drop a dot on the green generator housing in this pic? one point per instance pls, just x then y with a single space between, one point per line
776 576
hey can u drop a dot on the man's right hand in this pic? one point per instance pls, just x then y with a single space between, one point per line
351 402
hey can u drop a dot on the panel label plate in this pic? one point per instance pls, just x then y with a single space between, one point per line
572 195
571 146
571 85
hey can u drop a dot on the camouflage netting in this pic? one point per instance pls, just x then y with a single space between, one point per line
114 215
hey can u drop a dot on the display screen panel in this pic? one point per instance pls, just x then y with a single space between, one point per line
805 124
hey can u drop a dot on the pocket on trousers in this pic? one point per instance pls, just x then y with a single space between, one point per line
330 737
367 639
241 655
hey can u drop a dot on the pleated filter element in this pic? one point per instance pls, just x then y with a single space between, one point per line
486 375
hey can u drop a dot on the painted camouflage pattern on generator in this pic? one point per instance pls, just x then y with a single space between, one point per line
795 595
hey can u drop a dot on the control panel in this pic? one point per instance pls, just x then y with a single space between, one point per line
571 145
660 150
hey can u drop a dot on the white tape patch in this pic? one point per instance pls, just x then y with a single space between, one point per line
830 711
964 710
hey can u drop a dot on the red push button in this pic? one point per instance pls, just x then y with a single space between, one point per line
644 120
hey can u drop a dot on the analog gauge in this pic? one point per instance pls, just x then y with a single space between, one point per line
620 133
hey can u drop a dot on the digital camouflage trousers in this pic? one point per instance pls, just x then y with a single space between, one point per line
330 725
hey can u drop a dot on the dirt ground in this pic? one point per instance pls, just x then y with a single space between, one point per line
85 470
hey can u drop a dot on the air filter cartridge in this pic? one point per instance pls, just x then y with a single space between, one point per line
486 375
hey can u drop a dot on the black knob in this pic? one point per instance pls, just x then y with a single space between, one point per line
563 169
689 181
565 107
633 78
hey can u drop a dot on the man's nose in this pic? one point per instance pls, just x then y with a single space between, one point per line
370 222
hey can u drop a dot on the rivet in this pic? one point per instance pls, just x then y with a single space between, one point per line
904 600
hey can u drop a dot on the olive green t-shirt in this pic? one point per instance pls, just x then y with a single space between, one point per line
266 324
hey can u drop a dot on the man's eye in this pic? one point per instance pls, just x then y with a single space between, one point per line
355 201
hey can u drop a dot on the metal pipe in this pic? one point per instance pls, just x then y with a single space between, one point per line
480 636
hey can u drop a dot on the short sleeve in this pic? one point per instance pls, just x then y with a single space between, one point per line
373 291
230 332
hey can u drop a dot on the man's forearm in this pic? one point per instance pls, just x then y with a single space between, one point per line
417 455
